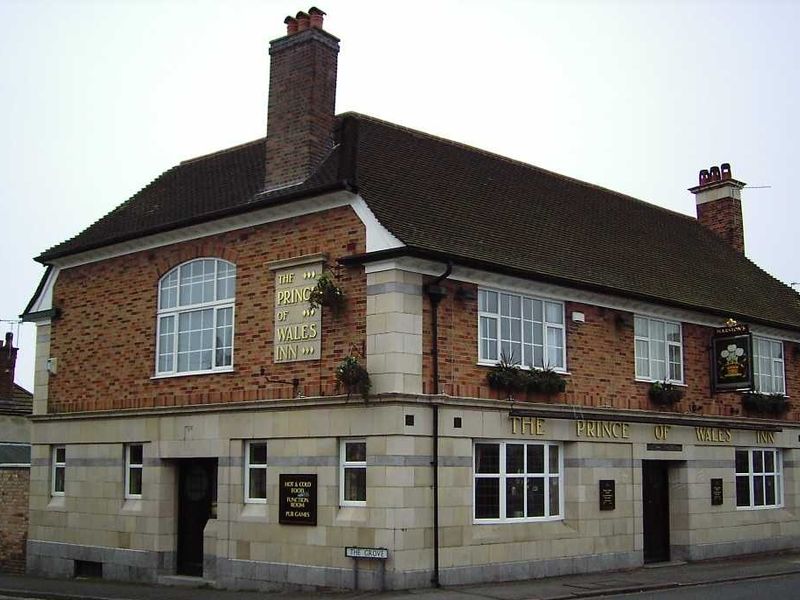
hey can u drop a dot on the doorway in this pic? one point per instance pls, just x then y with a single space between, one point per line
655 510
197 492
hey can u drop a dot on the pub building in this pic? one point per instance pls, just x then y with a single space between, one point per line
355 354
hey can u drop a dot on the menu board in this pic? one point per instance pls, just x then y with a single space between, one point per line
716 492
607 494
297 499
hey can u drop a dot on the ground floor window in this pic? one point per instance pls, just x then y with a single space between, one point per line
134 465
59 470
353 473
255 472
518 481
759 475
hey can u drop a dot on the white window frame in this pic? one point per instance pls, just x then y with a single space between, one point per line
248 466
176 311
352 464
502 476
131 466
777 365
55 466
650 343
777 473
545 324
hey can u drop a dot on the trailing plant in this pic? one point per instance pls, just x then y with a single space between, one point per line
665 393
773 404
545 381
327 293
507 376
353 377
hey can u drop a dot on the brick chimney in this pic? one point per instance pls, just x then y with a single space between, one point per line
719 204
8 361
302 96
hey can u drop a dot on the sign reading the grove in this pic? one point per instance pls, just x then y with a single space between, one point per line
298 327
732 364
297 499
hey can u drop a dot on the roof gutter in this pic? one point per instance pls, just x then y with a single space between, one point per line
435 255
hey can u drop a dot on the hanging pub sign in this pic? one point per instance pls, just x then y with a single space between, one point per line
732 365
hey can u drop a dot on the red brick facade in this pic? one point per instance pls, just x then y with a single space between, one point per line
724 218
600 361
105 338
14 485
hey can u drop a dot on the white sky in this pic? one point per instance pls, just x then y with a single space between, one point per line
98 97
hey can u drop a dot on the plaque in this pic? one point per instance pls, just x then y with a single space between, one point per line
664 447
716 492
297 499
607 494
297 327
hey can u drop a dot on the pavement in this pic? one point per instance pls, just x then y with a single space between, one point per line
648 578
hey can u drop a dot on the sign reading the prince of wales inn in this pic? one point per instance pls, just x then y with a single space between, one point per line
732 357
297 326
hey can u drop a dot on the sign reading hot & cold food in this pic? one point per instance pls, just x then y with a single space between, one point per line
297 499
732 367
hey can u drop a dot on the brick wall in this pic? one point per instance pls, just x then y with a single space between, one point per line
14 484
724 218
105 338
600 360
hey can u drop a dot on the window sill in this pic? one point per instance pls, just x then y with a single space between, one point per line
675 383
132 505
190 373
352 514
516 520
772 507
522 367
254 512
57 503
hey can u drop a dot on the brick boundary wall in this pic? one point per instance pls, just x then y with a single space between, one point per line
14 487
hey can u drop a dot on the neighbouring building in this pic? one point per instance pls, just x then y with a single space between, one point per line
15 461
187 413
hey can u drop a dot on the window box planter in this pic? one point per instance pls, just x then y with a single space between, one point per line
507 377
770 404
326 293
664 393
353 377
546 382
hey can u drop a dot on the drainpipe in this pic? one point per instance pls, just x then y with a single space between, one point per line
436 293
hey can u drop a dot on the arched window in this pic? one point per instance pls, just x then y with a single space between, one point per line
195 317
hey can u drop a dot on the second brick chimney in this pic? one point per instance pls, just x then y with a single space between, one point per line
302 97
719 204
8 362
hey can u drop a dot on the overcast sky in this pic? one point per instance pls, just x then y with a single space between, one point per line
98 97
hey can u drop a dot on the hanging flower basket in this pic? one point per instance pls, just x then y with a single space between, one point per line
664 393
326 293
351 375
769 404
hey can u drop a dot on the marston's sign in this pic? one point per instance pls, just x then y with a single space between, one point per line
732 367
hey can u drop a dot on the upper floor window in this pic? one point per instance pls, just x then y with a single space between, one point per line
658 349
768 366
524 330
195 317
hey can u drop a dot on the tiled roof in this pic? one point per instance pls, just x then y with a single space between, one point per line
470 205
20 402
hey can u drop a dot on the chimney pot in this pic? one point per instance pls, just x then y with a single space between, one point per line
703 178
291 25
714 173
718 201
726 171
303 21
316 16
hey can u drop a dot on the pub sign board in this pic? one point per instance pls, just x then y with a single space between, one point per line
297 499
607 494
732 364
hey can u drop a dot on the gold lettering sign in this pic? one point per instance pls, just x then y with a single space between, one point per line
527 425
298 327
765 437
614 430
713 434
661 432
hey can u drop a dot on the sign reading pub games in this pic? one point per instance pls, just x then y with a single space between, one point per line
732 365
